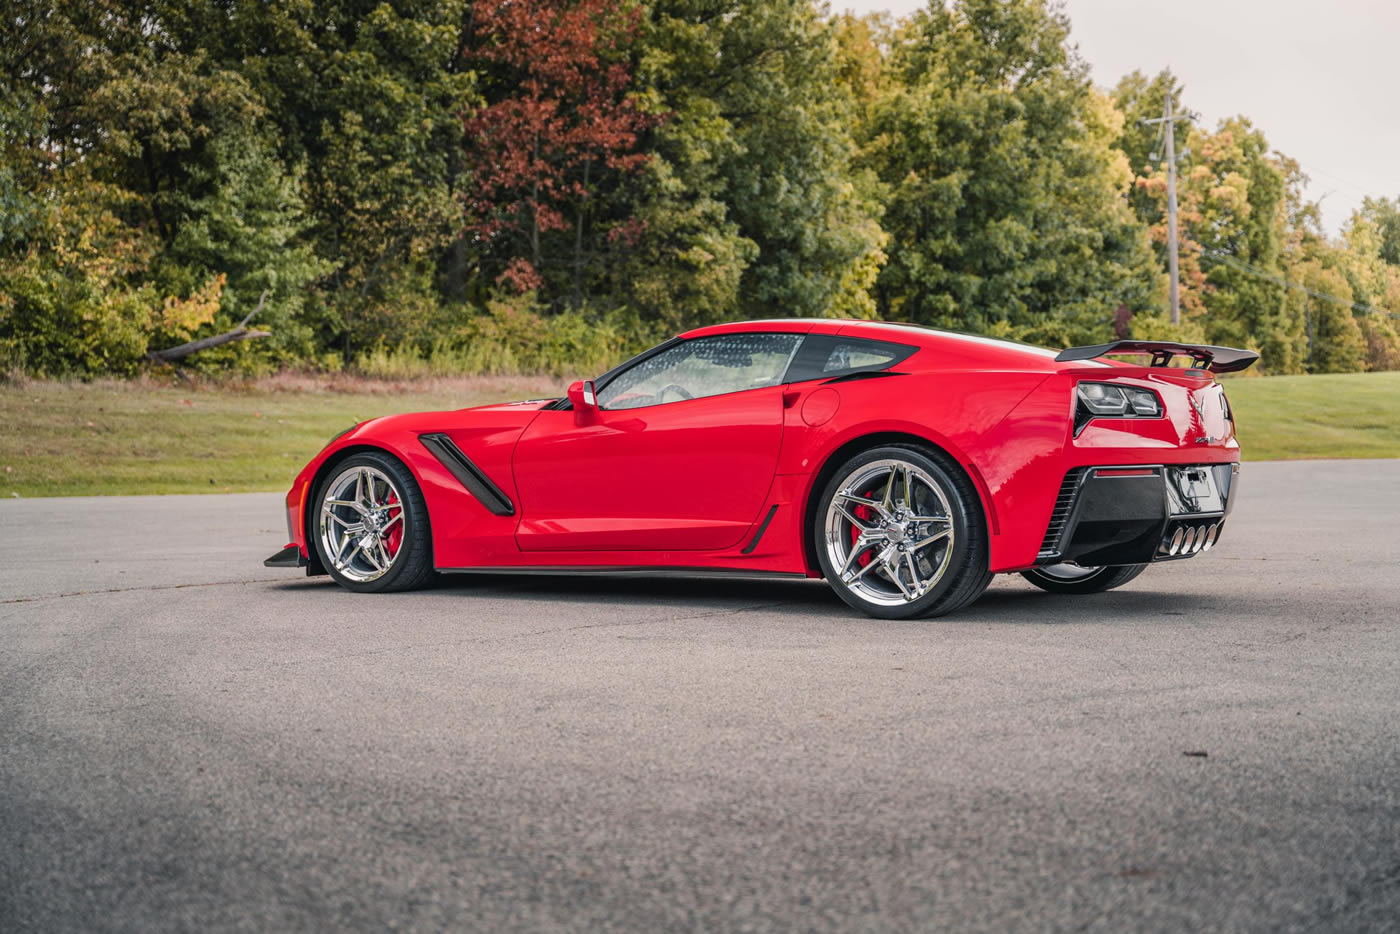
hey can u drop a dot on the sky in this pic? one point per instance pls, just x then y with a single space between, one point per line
1317 76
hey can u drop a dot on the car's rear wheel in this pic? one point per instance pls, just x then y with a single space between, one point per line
371 526
899 534
1071 578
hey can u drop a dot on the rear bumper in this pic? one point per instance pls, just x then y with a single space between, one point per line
1136 514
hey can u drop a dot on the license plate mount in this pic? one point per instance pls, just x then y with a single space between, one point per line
1192 491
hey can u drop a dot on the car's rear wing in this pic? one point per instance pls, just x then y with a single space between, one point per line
1204 356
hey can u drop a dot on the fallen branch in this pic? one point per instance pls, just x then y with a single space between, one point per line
240 333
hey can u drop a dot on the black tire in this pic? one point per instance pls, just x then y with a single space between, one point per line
964 577
973 593
412 565
1097 581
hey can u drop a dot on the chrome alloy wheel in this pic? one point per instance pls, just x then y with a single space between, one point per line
361 524
889 532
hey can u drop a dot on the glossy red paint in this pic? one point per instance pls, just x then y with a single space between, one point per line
644 479
687 484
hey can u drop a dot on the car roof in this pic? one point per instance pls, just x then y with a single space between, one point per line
954 348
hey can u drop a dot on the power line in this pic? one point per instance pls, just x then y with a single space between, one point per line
1252 270
1337 179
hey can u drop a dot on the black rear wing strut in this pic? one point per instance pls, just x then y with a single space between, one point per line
1204 356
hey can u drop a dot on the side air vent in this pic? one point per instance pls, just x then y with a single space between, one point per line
468 474
1060 515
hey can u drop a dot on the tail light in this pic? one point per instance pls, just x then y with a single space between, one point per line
1111 400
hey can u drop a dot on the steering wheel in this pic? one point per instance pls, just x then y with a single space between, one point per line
679 390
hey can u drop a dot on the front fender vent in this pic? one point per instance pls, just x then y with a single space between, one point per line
468 474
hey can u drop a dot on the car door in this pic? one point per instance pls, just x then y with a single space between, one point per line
678 456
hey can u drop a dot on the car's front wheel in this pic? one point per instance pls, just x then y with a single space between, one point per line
371 526
1073 579
900 534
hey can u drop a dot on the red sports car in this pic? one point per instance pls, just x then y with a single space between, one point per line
904 465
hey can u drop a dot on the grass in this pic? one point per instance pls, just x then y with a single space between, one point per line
78 439
1336 415
71 439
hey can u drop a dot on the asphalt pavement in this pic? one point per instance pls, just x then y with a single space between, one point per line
189 740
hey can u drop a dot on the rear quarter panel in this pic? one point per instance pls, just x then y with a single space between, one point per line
960 412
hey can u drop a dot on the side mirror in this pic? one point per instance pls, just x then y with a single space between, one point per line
583 397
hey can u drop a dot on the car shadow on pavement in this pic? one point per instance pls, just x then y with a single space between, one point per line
1026 604
1010 603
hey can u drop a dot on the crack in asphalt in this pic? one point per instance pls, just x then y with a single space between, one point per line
110 590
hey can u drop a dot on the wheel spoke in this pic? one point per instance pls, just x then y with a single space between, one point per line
874 563
369 552
390 524
913 573
936 536
892 569
859 547
887 501
345 562
908 488
862 501
343 524
862 524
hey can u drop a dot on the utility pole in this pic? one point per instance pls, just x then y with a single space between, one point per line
1168 121
1171 213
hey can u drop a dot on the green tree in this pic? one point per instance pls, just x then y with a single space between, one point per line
748 206
1338 346
1384 215
241 216
1239 208
367 99
1007 207
1375 283
1140 98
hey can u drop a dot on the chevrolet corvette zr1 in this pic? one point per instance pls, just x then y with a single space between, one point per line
906 466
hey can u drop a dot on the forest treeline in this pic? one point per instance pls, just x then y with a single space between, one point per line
498 185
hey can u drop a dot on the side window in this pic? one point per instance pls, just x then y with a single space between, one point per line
825 356
858 355
706 366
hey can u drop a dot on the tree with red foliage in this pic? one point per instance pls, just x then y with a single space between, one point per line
557 120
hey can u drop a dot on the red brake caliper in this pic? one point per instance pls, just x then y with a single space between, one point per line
394 537
863 514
